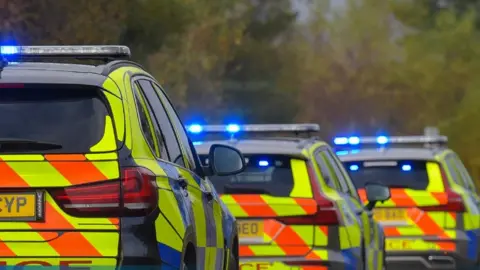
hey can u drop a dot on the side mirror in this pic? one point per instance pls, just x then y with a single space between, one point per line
225 160
376 193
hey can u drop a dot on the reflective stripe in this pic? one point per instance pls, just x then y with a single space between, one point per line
301 187
108 141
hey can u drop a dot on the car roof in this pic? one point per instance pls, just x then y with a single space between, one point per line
56 73
291 147
390 153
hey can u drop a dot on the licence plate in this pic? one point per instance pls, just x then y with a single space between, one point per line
21 206
390 215
409 244
250 229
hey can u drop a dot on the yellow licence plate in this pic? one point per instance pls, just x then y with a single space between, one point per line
21 206
250 229
409 244
390 214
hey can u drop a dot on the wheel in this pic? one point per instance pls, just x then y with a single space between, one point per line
189 259
232 262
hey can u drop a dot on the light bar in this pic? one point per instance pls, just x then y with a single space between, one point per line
382 140
234 128
101 51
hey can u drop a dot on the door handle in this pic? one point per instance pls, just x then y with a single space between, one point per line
183 183
209 196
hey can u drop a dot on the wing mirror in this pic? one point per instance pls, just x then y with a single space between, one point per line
225 160
376 193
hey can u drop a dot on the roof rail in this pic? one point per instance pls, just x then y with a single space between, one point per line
91 52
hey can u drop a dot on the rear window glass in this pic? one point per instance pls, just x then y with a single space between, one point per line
71 117
400 173
271 175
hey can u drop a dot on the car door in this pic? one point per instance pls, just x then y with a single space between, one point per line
372 234
358 225
214 204
180 165
174 204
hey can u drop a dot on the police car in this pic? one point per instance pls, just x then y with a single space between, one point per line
432 219
96 168
295 204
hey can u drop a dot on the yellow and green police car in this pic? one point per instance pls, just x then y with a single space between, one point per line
432 219
96 168
295 204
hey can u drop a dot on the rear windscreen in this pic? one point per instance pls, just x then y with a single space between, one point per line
72 118
264 174
400 173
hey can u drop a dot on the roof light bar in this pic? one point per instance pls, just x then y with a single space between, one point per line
90 52
382 140
233 128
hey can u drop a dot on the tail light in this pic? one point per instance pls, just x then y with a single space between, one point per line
135 194
326 210
454 201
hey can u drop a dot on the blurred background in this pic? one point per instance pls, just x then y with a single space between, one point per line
358 67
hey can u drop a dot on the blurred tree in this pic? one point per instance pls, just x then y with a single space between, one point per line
348 81
254 87
191 63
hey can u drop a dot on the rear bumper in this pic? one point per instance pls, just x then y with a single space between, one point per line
428 260
464 255
318 258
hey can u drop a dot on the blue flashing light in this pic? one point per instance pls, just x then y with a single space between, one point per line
195 128
354 167
406 168
263 163
354 140
342 153
340 141
8 50
233 128
382 140
197 143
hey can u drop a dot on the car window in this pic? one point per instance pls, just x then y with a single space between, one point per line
334 172
464 173
146 117
180 129
457 178
342 178
76 113
263 174
171 142
409 174
327 174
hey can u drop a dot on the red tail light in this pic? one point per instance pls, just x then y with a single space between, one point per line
326 210
135 194
454 201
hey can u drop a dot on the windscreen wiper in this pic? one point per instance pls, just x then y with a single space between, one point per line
236 189
19 144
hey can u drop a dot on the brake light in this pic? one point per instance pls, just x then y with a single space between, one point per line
326 210
135 194
454 201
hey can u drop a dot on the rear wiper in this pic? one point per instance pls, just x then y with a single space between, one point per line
19 144
235 189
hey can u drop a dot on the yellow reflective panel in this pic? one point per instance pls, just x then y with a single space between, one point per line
102 156
22 157
108 142
301 187
116 106
435 178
